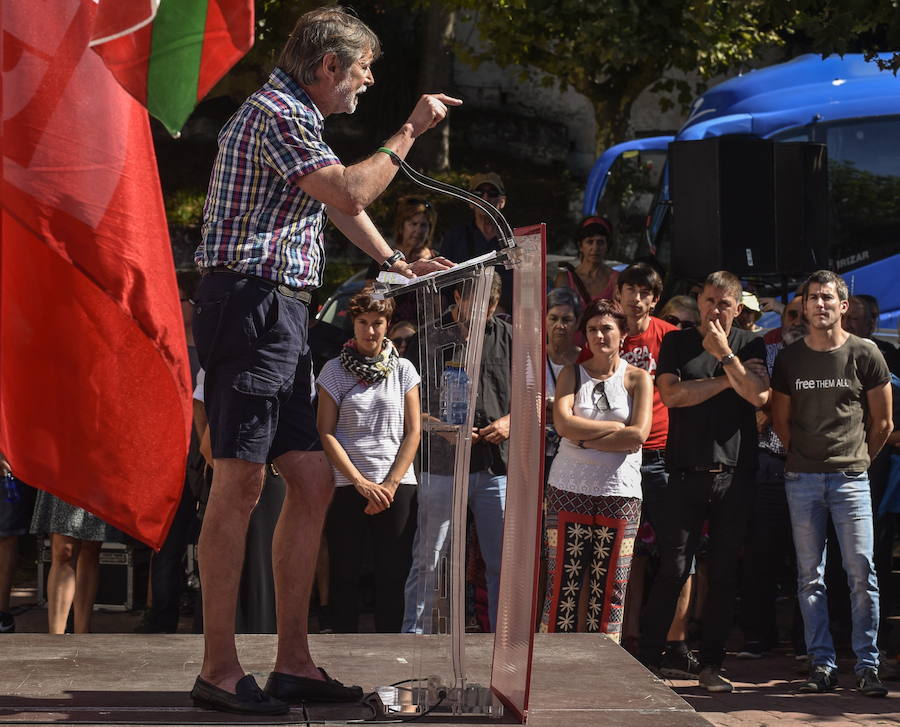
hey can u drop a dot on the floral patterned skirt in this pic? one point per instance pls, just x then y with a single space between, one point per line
588 544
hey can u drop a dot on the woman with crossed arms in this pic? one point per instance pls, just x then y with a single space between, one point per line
602 411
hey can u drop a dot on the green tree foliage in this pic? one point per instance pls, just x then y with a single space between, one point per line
608 50
612 50
843 26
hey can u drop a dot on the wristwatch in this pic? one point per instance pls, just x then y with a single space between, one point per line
728 358
389 263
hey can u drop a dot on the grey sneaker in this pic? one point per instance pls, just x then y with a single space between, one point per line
868 684
821 679
711 680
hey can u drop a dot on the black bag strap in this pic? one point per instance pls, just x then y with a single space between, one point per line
579 283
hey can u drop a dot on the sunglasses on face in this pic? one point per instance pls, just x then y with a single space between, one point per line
402 340
676 321
598 397
487 193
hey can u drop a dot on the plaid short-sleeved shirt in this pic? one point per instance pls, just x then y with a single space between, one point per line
256 219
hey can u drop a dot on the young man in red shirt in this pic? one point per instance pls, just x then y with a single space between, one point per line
639 287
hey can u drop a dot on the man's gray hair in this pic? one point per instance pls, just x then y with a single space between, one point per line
729 282
331 29
564 296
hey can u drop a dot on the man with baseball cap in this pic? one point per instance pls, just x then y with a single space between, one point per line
479 235
750 314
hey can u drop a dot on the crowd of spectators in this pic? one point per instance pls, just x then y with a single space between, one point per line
662 461
694 463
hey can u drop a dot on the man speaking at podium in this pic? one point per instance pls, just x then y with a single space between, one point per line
272 185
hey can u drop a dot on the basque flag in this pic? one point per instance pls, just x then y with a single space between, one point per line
95 397
169 65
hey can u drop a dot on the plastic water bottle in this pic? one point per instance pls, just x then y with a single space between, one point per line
454 402
11 488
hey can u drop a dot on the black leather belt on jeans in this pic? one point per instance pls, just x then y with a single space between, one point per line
302 294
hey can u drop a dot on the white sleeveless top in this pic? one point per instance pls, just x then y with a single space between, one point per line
589 471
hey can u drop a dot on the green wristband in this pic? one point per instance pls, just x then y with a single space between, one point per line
390 152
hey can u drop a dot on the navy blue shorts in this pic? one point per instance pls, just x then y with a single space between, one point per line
251 341
16 508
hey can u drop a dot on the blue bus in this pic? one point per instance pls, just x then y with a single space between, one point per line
846 103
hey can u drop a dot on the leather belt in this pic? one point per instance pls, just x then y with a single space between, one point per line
302 294
714 469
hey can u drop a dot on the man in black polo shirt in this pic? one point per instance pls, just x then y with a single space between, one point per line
712 378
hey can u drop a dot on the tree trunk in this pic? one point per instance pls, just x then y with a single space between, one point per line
432 150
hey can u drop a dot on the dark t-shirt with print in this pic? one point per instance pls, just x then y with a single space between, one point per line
828 403
722 429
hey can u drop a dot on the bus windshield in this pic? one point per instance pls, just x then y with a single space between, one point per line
633 180
864 186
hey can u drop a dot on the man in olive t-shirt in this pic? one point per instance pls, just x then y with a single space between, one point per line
831 407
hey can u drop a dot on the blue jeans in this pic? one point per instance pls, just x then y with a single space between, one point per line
811 497
487 501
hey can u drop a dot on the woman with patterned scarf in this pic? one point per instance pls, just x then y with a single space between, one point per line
369 423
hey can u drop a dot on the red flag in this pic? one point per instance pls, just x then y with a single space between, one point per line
117 19
171 64
94 382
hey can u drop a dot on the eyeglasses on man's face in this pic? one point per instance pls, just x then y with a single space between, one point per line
487 192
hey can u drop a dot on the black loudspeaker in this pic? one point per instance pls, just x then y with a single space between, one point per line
750 206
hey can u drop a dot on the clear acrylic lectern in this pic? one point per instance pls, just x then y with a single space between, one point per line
452 314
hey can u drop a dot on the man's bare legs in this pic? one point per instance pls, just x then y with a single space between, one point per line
235 489
309 487
87 577
322 582
9 549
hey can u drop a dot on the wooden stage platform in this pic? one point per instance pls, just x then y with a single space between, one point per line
130 679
